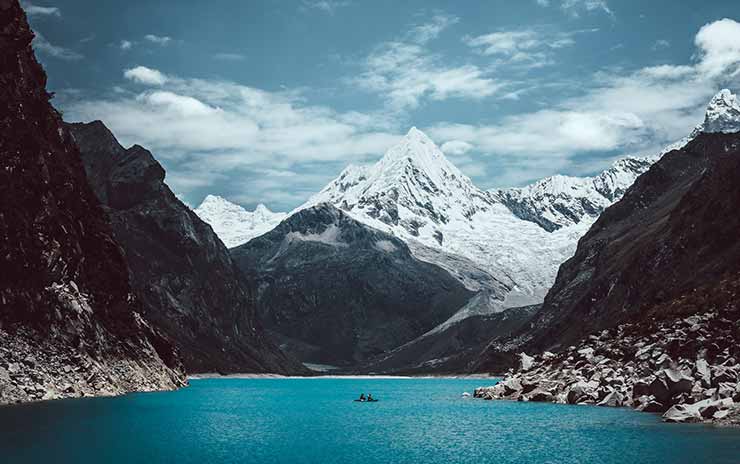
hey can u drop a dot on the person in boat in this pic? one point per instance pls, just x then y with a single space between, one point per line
362 397
370 397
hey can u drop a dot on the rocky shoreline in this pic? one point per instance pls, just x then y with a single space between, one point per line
37 368
687 369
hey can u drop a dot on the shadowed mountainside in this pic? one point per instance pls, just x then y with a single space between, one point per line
180 269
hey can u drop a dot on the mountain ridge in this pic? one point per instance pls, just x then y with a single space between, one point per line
70 323
177 265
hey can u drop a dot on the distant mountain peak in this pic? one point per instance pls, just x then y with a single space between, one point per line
723 113
232 223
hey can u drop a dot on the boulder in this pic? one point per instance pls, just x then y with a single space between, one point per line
722 374
703 372
682 413
698 411
540 395
659 390
640 388
582 392
526 361
613 399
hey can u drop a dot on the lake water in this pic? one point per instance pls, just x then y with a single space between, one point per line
316 421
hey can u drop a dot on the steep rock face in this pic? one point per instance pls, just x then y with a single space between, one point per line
178 266
673 234
676 229
235 225
338 292
69 322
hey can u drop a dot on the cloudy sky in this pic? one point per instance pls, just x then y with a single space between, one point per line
267 101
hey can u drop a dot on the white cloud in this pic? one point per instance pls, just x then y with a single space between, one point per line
634 112
576 7
406 73
40 44
426 32
125 45
157 39
529 47
35 10
719 47
211 132
229 56
456 147
327 6
144 75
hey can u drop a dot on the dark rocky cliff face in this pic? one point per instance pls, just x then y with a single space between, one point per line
657 254
69 322
338 292
178 266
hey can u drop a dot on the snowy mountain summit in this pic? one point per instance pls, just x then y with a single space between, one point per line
413 189
561 201
416 194
723 113
233 224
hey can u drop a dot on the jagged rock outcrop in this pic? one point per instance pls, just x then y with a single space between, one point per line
69 322
180 269
338 292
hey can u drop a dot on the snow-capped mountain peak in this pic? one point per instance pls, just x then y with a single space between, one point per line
413 186
417 152
561 201
262 212
723 113
233 224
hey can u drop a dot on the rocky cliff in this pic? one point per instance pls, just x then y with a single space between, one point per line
651 294
675 230
177 265
338 292
69 322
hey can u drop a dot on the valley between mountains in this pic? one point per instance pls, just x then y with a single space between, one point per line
618 289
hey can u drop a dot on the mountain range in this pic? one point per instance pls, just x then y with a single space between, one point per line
111 284
505 244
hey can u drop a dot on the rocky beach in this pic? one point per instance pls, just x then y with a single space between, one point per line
687 369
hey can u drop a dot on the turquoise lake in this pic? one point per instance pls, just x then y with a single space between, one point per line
316 421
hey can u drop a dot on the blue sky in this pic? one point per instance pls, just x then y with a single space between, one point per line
267 101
